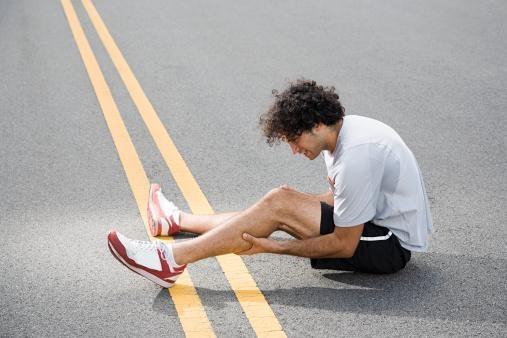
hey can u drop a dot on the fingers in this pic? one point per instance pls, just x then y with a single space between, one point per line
249 251
255 242
249 238
245 253
260 245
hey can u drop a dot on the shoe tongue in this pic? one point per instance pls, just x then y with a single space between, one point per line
168 208
144 253
161 246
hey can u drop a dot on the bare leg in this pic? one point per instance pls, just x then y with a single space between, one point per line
280 209
199 224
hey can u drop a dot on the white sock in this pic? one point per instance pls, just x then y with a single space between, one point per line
176 216
170 256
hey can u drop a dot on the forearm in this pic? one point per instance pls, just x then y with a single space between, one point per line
317 247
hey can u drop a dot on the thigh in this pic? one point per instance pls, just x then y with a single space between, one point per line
378 251
299 214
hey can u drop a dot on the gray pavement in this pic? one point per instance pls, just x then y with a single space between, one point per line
435 71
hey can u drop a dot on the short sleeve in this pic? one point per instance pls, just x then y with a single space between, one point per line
357 181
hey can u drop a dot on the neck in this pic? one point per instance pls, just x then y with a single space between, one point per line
333 136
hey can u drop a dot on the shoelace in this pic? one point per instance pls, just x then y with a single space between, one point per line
149 246
143 245
162 248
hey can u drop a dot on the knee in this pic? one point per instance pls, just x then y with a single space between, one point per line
276 199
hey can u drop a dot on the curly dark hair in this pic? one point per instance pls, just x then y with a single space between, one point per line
299 108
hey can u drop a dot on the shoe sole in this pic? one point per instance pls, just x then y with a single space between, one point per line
154 279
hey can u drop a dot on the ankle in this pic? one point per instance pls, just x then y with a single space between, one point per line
178 258
182 220
172 256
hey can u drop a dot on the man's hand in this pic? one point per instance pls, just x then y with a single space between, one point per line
259 245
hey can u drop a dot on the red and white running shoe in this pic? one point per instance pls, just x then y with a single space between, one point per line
163 215
154 261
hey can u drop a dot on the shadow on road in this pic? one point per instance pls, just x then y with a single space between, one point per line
435 286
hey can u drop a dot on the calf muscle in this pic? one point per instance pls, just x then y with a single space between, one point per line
278 209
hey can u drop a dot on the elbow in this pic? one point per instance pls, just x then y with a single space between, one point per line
348 253
347 245
344 252
348 250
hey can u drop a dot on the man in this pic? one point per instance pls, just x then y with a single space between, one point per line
375 213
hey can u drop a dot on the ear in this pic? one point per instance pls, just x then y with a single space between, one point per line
317 128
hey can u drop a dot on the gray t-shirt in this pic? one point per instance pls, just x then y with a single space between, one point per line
375 177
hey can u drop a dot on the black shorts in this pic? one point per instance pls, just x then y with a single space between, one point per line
378 251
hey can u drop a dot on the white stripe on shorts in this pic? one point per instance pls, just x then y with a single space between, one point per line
377 238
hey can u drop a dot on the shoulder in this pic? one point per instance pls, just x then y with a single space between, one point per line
363 152
360 131
366 125
359 121
360 161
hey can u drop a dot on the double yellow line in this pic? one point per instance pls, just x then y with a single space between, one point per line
188 305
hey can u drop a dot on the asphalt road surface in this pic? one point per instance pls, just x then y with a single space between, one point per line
436 71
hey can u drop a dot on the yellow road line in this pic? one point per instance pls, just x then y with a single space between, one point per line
188 305
257 310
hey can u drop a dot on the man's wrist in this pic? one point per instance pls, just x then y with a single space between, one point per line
282 247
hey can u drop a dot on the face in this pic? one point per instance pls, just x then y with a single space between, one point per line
309 144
